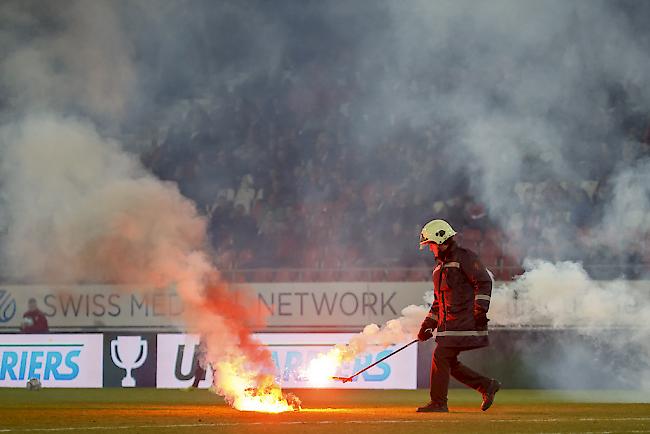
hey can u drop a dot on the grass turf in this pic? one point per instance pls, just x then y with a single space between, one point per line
324 411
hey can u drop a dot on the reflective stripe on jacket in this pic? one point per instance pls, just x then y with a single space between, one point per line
462 290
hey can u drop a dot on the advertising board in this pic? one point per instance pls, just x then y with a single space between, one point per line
291 354
57 360
93 307
288 307
177 357
130 359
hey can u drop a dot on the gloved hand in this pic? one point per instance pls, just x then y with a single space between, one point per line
481 321
426 329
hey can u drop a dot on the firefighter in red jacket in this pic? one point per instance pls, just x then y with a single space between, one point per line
462 289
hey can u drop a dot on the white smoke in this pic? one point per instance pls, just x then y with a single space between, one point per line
79 208
626 221
525 86
563 295
598 325
86 68
394 331
401 329
525 107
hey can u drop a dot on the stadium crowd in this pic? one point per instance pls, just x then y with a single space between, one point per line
294 167
291 183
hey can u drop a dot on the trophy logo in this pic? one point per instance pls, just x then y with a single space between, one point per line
128 353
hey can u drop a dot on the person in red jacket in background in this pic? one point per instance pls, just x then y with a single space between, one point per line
34 321
462 290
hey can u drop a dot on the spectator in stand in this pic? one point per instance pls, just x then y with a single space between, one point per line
476 216
34 321
397 244
246 194
220 219
244 227
580 205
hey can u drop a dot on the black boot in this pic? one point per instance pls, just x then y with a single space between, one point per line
488 395
433 407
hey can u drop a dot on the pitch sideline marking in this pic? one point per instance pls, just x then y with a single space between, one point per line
322 422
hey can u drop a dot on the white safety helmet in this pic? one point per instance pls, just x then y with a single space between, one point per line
436 231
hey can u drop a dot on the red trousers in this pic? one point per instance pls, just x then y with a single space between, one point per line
444 363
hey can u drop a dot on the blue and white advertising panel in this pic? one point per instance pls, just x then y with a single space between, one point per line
291 354
177 358
57 360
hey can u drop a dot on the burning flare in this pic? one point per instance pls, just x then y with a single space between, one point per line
243 367
323 367
106 219
246 390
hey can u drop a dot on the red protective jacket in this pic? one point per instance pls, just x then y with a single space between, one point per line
39 322
462 290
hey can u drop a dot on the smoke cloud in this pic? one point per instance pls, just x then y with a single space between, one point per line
522 98
563 295
79 61
393 331
83 210
527 90
609 316
79 208
514 99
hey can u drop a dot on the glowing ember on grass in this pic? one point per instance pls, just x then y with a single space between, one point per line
272 401
265 397
323 367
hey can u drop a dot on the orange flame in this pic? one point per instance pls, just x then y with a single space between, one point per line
242 365
268 402
249 391
323 367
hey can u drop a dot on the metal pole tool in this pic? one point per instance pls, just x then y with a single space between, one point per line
348 379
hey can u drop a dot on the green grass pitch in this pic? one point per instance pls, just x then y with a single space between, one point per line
324 411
